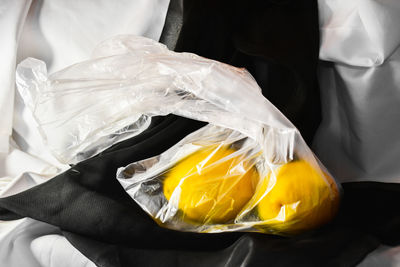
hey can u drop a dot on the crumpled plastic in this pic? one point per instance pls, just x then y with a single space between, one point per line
249 169
218 179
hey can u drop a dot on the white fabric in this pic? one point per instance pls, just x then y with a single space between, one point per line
15 245
55 251
383 257
12 16
359 32
30 243
60 33
64 32
358 139
20 170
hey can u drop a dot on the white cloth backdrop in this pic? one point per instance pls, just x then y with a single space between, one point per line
60 33
359 138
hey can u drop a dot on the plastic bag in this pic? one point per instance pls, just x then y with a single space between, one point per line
77 116
217 179
249 169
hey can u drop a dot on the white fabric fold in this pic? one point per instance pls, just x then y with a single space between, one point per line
15 245
56 251
359 32
12 18
384 256
358 137
60 33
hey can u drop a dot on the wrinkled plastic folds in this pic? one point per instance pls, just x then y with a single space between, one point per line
249 169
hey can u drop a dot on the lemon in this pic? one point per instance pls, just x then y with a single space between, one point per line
300 199
214 184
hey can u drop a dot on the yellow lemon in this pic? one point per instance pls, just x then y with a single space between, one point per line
300 198
214 184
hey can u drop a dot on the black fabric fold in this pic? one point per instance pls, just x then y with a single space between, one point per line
101 220
277 41
87 199
333 247
372 207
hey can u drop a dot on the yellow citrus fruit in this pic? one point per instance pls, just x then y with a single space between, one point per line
214 184
300 199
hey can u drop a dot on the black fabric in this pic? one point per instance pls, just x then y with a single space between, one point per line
87 199
336 247
277 41
99 219
372 207
173 24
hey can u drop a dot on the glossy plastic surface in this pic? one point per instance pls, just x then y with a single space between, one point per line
249 169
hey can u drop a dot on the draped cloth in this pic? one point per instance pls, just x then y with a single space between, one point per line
278 42
358 138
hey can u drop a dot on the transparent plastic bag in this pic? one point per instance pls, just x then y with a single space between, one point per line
218 179
77 116
85 108
249 169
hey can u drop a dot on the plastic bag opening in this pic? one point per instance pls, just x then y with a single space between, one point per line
249 169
